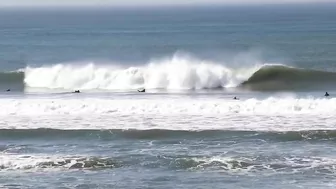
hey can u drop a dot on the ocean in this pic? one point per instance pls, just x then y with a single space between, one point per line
186 130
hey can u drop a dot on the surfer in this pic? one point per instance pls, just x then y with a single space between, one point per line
8 90
326 94
235 98
141 90
77 91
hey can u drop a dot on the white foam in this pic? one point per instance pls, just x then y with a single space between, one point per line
173 73
276 114
27 162
13 162
273 165
167 106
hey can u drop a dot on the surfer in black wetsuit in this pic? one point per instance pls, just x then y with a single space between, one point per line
235 98
326 94
8 90
141 90
77 91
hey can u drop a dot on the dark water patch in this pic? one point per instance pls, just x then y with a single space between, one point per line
281 77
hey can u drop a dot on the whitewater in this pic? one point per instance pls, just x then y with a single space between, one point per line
174 73
168 106
143 112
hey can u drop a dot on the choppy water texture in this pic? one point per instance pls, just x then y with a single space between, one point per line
186 131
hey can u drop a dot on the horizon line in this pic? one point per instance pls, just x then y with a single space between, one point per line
325 2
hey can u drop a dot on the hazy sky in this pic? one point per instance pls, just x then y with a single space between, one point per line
10 3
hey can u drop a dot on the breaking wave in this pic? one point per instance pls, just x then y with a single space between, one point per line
176 73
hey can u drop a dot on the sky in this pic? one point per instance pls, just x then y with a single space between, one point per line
37 3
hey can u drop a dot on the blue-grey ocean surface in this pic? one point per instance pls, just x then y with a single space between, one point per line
186 130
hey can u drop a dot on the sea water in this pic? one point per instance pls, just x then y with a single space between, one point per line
186 130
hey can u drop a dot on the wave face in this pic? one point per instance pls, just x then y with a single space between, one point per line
175 73
12 80
280 77
12 77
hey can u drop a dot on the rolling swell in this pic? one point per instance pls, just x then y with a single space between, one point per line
157 134
288 78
